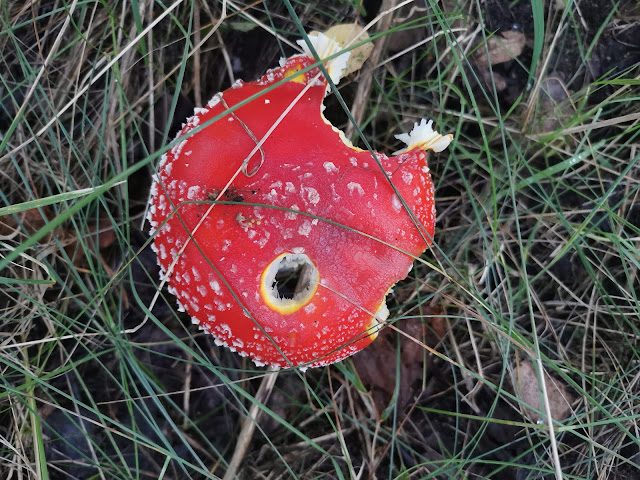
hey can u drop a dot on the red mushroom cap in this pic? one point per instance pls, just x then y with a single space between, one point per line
307 205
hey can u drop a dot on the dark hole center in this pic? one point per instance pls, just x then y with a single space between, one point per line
290 281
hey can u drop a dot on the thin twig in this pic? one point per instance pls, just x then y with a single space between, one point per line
197 93
250 421
366 78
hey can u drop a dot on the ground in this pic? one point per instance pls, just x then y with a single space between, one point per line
512 348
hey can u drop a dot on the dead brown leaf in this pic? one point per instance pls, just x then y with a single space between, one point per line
501 48
346 33
555 104
528 390
32 220
376 364
29 221
99 238
106 234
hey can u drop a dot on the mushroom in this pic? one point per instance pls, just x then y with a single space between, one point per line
275 234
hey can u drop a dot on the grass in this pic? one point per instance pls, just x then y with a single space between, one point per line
535 266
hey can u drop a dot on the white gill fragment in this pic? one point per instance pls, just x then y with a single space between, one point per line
424 137
325 47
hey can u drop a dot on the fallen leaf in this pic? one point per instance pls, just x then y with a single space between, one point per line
97 239
106 234
343 35
501 48
555 104
528 390
28 221
376 364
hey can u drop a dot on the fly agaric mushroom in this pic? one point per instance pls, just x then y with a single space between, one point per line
275 234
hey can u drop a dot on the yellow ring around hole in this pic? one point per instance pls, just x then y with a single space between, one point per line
289 306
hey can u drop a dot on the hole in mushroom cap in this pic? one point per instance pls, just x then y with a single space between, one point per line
289 282
292 280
